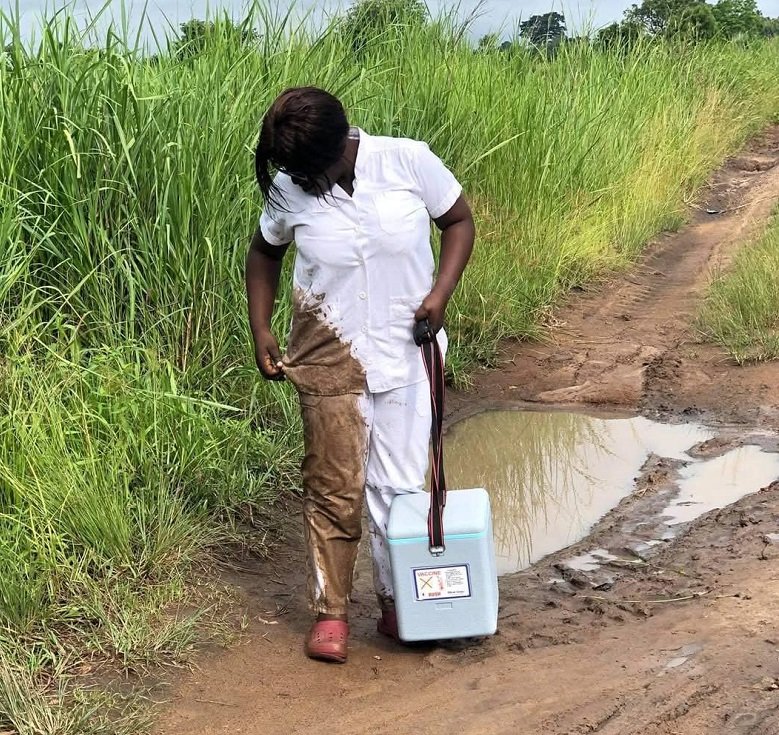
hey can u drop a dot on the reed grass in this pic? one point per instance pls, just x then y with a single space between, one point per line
741 310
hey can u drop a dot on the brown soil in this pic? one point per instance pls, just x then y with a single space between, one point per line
678 638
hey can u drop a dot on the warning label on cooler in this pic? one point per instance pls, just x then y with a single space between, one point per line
440 583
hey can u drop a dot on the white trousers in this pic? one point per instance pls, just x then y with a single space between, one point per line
398 428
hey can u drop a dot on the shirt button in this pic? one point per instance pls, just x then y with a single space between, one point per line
363 295
364 329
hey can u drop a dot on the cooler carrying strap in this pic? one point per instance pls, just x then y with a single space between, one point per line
434 366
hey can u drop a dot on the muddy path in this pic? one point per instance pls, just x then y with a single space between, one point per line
677 637
632 343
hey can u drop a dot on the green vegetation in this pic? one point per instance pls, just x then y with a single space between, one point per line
135 435
543 31
370 20
741 311
196 36
696 19
651 20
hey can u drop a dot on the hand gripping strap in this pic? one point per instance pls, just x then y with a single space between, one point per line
434 366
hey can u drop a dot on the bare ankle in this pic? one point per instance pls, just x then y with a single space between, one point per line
327 616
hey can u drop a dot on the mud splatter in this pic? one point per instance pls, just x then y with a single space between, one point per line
317 360
335 438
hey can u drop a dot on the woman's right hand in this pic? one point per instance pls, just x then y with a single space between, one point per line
268 356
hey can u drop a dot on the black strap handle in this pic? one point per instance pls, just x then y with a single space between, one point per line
434 366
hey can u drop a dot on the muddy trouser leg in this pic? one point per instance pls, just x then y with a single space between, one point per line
397 463
335 431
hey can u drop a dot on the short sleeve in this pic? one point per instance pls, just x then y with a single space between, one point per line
274 222
274 227
438 186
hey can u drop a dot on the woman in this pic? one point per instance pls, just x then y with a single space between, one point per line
358 208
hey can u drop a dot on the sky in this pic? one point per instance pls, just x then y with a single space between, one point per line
493 15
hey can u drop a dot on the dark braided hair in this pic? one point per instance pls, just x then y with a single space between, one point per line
303 132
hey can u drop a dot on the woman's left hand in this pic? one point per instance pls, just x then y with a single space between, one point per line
433 309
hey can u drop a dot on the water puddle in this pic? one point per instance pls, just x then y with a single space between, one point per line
552 476
721 481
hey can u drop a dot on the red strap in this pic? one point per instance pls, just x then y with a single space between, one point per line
434 366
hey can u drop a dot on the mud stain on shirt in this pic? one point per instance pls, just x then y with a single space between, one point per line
317 360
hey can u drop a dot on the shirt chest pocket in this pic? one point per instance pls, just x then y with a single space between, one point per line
401 213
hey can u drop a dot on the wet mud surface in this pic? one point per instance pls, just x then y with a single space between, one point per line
552 475
640 626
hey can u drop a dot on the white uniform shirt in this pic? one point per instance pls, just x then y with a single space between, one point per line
366 261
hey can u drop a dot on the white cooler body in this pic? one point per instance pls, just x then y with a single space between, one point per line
454 595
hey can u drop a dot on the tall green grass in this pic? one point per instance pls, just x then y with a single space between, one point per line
134 431
741 311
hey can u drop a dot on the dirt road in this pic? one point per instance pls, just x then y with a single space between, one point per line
682 639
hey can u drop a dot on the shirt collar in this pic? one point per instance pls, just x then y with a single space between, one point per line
362 149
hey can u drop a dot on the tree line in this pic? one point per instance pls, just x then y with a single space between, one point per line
368 22
371 21
691 20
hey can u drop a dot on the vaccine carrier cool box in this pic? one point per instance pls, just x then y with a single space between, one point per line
454 595
441 544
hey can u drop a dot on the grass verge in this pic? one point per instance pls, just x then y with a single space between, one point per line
741 311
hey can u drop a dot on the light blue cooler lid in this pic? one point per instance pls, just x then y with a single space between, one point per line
467 513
